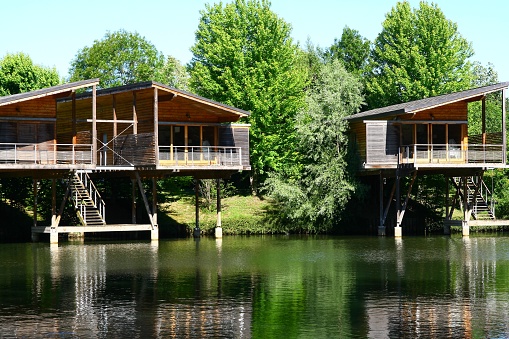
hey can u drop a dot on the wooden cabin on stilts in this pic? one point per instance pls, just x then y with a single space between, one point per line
76 133
431 136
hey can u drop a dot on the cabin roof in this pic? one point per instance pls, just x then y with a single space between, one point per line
428 103
173 91
58 90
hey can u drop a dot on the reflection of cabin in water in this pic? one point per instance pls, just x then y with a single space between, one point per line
143 131
430 136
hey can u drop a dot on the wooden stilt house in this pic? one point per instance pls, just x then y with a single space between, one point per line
431 136
145 130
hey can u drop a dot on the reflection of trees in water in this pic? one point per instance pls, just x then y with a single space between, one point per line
456 295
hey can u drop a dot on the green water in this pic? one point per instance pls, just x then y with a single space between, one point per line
258 287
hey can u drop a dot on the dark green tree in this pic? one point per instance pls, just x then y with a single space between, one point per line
120 58
314 200
352 48
418 54
19 74
244 56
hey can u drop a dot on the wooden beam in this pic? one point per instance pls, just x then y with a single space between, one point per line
504 132
114 106
144 197
73 114
135 116
156 124
94 125
483 119
403 208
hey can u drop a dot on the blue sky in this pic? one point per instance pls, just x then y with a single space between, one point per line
52 32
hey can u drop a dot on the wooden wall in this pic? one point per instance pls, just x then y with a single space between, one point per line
382 143
236 136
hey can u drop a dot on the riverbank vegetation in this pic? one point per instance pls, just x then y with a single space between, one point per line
302 177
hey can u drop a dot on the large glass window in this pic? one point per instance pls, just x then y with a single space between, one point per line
179 136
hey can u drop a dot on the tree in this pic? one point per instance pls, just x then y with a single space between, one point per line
120 58
418 54
174 74
313 201
353 49
244 56
18 74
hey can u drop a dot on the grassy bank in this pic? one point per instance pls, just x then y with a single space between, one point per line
240 215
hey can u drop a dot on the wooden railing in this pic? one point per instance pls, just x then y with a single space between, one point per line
45 154
224 156
451 153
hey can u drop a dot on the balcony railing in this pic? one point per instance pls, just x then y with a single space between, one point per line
451 154
45 154
200 156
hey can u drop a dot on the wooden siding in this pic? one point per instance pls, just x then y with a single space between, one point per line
382 142
358 130
236 136
135 149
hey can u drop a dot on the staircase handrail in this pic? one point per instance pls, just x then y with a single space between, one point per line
93 193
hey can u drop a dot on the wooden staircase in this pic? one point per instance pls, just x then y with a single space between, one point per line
481 203
87 201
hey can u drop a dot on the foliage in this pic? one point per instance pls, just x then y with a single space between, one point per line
18 74
418 54
120 58
244 56
314 200
208 192
352 48
174 74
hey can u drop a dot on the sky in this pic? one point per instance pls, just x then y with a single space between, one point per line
52 32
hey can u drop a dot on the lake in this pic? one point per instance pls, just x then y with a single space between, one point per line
258 287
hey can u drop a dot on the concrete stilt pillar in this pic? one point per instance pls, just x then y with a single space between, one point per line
398 232
381 230
219 229
53 236
465 228
447 228
154 233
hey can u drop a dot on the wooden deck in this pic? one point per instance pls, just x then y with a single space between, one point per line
94 229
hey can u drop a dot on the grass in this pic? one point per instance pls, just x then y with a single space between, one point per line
240 215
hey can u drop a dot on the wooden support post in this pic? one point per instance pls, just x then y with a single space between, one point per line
447 226
397 228
156 124
94 125
153 223
135 115
115 124
381 226
504 132
466 208
483 119
74 141
219 229
196 232
133 201
35 201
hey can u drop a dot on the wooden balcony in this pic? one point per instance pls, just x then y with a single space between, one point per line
217 157
452 155
45 155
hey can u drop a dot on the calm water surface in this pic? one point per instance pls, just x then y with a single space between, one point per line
258 287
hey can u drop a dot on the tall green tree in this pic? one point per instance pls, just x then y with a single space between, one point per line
174 74
244 56
120 58
418 54
352 48
19 74
314 200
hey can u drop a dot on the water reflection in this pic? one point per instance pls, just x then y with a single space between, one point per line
258 287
